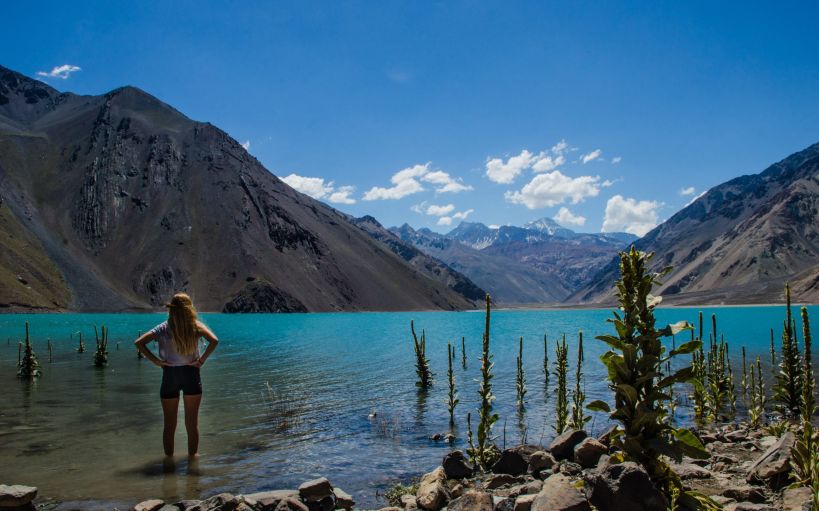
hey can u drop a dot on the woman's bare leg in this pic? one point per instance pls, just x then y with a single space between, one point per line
170 407
192 422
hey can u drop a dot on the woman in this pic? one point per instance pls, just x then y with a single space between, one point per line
179 358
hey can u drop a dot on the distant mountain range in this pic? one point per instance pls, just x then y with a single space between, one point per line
114 202
739 242
541 262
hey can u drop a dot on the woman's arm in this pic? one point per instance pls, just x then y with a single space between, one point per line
205 332
142 345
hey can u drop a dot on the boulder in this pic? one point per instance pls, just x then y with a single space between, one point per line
456 466
316 490
432 493
220 502
690 471
498 480
16 495
774 464
293 504
745 494
624 487
562 447
559 494
540 460
472 501
343 499
524 502
409 502
171 507
569 468
269 500
507 504
797 499
145 505
511 462
737 436
588 452
184 505
530 488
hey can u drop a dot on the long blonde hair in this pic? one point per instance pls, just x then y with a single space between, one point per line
182 321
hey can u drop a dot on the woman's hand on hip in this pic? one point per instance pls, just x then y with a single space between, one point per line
197 363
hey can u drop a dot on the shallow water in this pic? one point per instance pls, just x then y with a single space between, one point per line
287 398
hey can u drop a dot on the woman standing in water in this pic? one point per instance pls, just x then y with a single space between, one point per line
179 358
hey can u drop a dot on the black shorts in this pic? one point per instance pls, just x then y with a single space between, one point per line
176 378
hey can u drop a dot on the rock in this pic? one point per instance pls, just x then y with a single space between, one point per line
588 452
721 500
243 506
524 502
745 494
449 438
293 504
171 507
507 504
559 494
562 447
624 487
767 441
737 436
690 471
530 488
569 468
432 493
220 502
498 480
456 466
269 500
145 505
748 506
511 462
437 437
797 499
343 499
605 437
391 508
456 491
774 464
409 502
184 505
315 490
472 501
16 495
540 460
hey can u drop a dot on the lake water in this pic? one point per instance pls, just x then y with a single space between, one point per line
287 398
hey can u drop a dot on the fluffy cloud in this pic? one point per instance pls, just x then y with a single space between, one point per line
318 189
61 72
246 145
460 215
565 217
616 160
586 158
689 190
444 213
630 215
505 172
553 188
409 181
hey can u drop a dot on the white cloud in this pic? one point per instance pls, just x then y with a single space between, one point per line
553 188
565 217
687 191
409 181
505 173
446 213
616 160
246 145
445 220
607 183
461 215
440 210
318 189
630 215
61 72
586 158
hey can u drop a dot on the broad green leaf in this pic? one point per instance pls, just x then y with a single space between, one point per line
598 406
689 347
690 444
675 328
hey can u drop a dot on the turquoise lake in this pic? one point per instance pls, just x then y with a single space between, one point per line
287 397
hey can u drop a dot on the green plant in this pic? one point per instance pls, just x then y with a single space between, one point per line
745 383
635 370
579 418
546 363
452 400
463 352
393 494
562 393
773 356
101 354
421 362
81 347
756 410
699 382
27 365
778 428
485 452
788 387
805 452
520 379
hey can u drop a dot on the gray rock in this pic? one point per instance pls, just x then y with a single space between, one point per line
456 466
588 452
511 462
559 494
774 464
292 504
409 502
745 494
498 480
16 495
145 505
569 468
524 502
343 499
624 487
737 436
797 499
432 493
269 500
540 460
690 471
184 505
748 506
472 501
220 502
170 507
315 490
562 447
507 504
530 488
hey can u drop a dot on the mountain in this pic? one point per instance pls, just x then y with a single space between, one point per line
740 242
505 279
113 202
549 226
474 234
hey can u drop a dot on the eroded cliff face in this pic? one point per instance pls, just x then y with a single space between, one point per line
132 201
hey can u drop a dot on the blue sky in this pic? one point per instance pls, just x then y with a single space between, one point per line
431 112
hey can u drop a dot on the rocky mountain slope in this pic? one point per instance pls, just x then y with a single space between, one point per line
740 242
114 202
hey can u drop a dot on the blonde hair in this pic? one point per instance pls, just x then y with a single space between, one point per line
182 322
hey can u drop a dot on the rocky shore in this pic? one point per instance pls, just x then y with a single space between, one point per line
748 470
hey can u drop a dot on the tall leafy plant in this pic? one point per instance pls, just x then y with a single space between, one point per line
484 452
421 361
452 396
788 387
520 379
562 392
579 418
28 367
805 452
